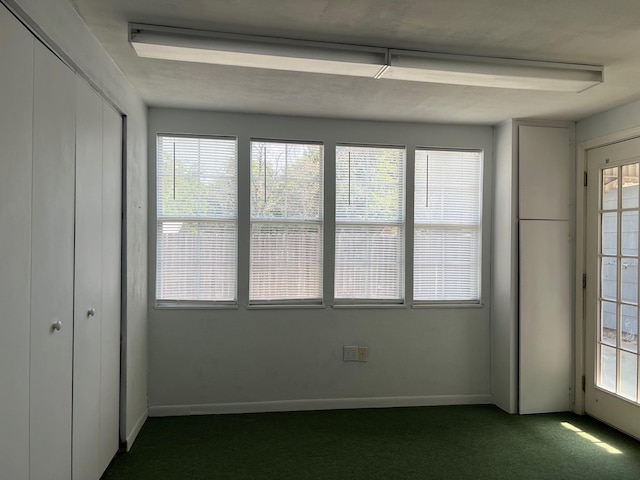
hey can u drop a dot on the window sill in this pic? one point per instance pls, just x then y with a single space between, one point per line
195 306
369 305
284 306
448 305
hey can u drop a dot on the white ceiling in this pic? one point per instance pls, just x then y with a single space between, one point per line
599 32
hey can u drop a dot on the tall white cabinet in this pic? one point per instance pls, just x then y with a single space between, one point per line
60 231
532 265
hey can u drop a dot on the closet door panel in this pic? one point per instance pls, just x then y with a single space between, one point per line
88 284
52 268
111 268
545 156
16 107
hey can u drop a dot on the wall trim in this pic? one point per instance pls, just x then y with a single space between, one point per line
136 430
317 404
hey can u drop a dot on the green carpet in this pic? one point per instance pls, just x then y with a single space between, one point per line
459 442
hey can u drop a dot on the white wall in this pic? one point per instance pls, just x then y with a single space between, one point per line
612 121
207 361
504 272
58 24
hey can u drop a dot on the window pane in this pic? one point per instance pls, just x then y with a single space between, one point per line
629 279
629 233
446 264
197 177
447 217
369 263
286 181
197 219
629 375
286 262
630 186
630 328
610 233
196 261
607 368
369 184
370 219
610 188
286 221
609 282
609 324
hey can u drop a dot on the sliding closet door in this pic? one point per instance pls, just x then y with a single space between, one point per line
111 258
88 284
52 268
16 109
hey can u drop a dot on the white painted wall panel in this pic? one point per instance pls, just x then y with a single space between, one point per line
546 335
504 274
207 360
545 164
52 267
16 107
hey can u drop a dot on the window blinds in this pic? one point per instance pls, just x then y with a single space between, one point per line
370 223
286 222
197 219
447 225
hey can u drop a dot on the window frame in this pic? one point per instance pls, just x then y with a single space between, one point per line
415 225
343 302
289 302
160 303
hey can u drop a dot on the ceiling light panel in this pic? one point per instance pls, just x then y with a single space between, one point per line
168 43
491 72
258 52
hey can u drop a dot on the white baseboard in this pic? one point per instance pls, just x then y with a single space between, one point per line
316 404
131 437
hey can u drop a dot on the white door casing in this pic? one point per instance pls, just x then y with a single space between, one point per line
611 296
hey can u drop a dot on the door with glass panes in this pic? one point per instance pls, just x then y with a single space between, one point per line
611 335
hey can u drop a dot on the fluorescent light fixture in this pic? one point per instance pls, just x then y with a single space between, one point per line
252 51
200 46
491 72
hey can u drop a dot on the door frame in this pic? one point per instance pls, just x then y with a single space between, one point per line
581 265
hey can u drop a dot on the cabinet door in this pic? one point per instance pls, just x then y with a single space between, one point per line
111 291
52 268
546 345
88 284
545 160
16 108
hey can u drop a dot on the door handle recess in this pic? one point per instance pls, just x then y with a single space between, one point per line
91 312
57 326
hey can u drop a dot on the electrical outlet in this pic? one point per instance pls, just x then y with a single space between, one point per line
363 354
350 353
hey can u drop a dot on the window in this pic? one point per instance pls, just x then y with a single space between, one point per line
447 226
286 222
197 216
370 223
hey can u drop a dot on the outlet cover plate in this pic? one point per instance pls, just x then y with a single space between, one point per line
350 353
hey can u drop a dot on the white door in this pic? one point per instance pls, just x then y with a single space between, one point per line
52 268
16 122
111 285
611 336
88 286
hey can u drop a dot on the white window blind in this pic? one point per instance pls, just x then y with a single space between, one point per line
447 226
197 219
370 223
286 222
